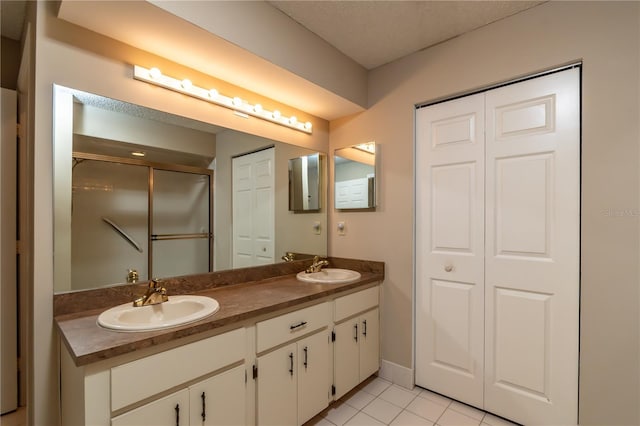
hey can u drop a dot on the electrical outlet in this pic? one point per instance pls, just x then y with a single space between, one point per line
342 229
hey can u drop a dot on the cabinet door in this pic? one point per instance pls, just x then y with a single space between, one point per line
172 410
219 400
313 380
277 387
369 344
346 373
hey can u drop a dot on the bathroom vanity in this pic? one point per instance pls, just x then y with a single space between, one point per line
277 352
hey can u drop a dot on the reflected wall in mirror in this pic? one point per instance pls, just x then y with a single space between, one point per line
115 212
355 176
305 184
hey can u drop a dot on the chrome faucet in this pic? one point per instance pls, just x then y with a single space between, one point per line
317 265
289 257
155 294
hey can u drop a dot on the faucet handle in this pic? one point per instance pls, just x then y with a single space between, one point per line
155 283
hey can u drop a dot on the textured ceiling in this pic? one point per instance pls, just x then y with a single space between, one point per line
374 33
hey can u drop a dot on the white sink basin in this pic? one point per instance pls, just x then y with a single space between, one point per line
329 276
178 310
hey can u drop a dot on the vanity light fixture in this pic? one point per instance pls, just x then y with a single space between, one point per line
154 76
138 153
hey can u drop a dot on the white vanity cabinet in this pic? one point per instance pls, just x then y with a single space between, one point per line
216 401
163 388
205 382
356 346
293 366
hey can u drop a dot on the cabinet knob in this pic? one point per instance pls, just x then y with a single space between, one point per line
448 268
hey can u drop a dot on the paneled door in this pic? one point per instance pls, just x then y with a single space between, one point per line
450 249
532 249
253 208
497 249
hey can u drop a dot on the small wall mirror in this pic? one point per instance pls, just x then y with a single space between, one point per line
355 176
305 176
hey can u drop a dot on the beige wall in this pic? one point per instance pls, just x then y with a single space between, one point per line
70 56
606 37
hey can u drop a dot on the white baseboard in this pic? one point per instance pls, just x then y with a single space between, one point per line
396 374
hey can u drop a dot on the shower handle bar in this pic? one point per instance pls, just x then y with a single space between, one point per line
161 237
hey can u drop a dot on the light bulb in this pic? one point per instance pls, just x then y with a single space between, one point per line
213 93
237 101
186 84
276 114
293 119
257 108
155 73
307 125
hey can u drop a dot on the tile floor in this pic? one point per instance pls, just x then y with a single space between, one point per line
379 402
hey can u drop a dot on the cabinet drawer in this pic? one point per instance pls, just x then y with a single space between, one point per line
278 330
354 303
147 376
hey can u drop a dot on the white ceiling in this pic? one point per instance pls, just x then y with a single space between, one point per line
363 35
374 33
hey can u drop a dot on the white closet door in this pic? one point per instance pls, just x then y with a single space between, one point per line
254 208
450 248
532 249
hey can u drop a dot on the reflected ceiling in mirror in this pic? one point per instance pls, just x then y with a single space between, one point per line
105 128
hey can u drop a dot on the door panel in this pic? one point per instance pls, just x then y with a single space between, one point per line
346 357
172 410
369 343
532 249
524 205
254 208
313 380
277 387
220 400
522 347
452 219
450 248
450 308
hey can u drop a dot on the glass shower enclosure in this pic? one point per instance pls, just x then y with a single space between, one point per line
137 220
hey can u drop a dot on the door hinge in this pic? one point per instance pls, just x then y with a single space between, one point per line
17 246
255 372
333 390
333 336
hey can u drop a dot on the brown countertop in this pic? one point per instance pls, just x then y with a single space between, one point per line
87 342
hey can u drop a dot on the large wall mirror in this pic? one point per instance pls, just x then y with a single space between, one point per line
140 194
355 174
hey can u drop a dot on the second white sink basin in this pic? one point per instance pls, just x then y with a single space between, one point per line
178 310
329 276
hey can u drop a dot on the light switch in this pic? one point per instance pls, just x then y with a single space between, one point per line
342 229
316 228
